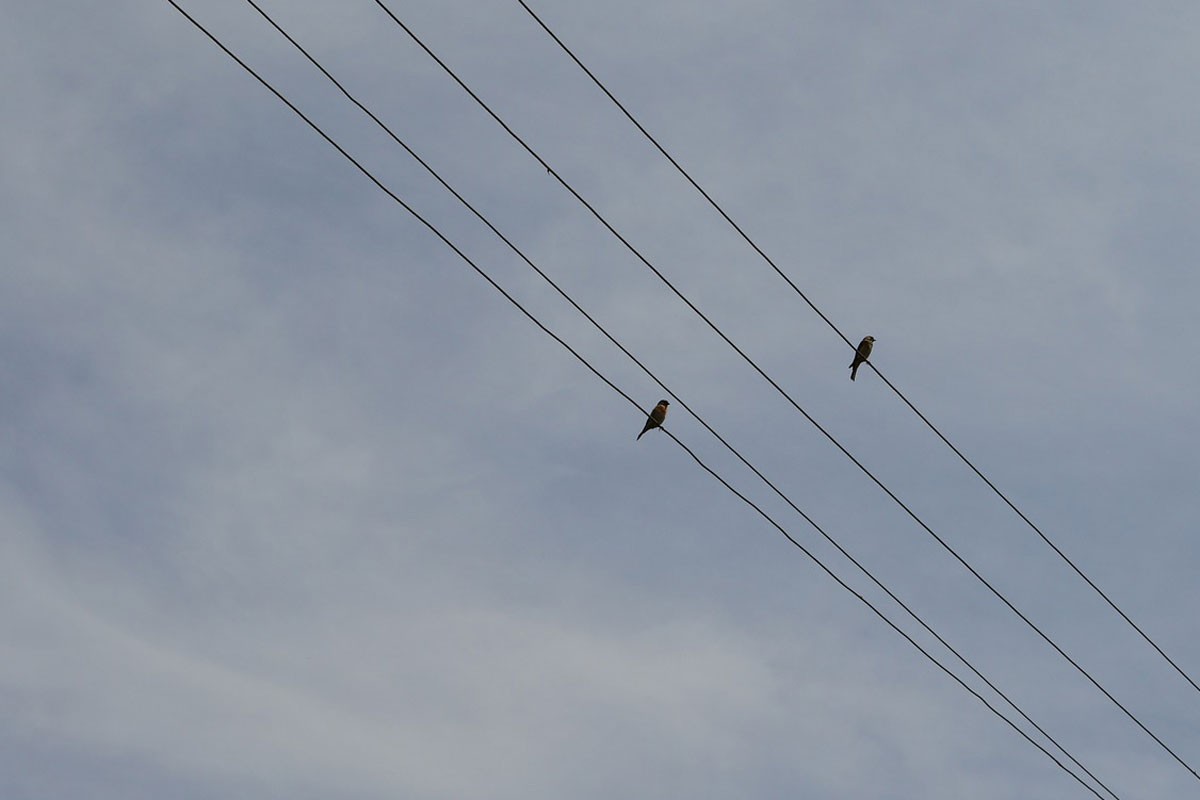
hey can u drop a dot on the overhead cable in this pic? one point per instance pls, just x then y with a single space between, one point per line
541 273
945 545
445 240
791 284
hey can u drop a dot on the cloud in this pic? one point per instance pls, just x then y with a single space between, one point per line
295 505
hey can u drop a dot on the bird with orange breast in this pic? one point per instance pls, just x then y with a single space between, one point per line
656 417
861 354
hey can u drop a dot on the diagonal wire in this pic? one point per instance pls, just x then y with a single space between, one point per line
851 344
516 250
946 546
380 185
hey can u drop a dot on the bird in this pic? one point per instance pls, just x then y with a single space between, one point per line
656 417
861 354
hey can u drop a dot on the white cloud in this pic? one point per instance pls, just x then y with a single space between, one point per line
295 505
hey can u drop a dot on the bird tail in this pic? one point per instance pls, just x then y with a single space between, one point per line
643 433
853 370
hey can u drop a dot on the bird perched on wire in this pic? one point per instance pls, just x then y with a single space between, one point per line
656 417
861 354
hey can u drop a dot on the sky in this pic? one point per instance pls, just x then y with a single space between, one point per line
293 504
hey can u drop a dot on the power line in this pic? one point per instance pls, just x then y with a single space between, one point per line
946 546
379 184
851 344
516 250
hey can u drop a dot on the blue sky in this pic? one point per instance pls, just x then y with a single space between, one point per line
295 505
